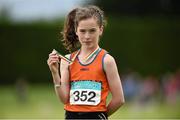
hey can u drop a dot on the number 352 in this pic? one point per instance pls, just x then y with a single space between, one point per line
84 96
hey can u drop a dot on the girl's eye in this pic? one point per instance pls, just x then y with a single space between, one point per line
82 31
92 30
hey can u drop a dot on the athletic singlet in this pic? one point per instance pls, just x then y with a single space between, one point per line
88 85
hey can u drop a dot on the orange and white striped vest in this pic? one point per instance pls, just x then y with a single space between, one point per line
88 85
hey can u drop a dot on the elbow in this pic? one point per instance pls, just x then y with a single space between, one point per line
120 102
64 101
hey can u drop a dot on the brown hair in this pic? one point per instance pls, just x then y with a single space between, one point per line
70 39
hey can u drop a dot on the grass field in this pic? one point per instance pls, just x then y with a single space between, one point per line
42 103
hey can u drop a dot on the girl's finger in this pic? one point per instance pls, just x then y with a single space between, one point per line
52 62
53 57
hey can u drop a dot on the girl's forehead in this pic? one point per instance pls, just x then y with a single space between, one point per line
89 22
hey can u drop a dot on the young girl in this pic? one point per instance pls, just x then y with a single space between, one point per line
84 84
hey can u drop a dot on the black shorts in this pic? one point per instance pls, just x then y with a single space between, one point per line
86 115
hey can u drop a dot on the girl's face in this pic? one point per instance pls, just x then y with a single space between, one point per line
88 32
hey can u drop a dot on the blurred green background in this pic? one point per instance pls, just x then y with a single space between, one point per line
142 36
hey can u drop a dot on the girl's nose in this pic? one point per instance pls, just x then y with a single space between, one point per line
87 35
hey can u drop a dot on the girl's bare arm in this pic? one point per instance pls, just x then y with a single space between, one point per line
61 82
114 84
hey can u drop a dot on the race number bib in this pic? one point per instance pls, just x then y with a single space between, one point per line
85 93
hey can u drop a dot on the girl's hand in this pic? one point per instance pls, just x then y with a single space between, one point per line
53 61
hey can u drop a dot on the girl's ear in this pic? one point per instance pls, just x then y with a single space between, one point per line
101 30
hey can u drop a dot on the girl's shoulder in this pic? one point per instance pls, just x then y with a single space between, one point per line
109 59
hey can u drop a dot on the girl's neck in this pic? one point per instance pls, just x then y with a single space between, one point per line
87 53
87 50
